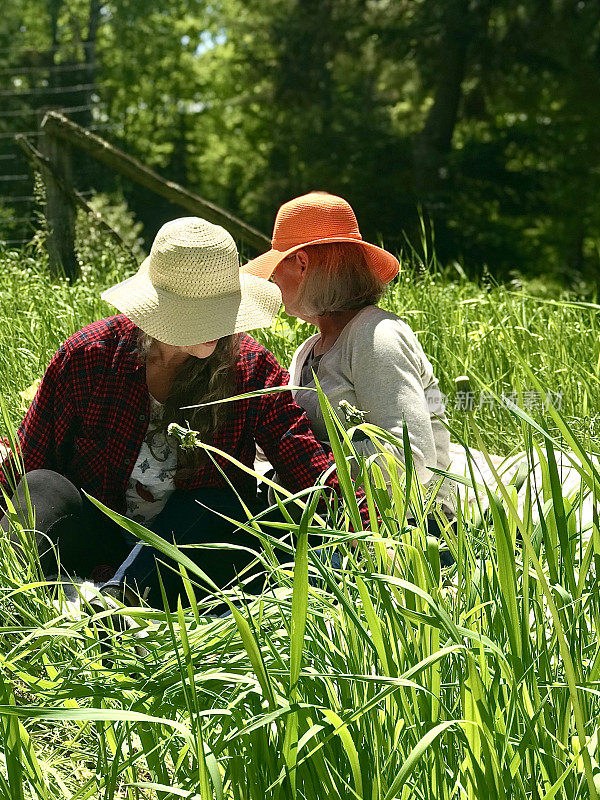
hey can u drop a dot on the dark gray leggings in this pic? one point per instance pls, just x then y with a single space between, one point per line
86 538
65 517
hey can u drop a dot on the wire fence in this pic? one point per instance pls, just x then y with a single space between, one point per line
26 90
30 85
57 69
47 91
62 47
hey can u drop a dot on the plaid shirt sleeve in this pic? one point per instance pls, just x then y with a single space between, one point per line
285 435
47 421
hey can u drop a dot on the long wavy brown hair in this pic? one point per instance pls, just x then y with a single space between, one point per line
198 380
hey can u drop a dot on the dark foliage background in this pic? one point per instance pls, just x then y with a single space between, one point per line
479 117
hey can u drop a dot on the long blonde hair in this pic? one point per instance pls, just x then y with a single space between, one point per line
337 278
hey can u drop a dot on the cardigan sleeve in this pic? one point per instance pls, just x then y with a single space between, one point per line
386 371
287 439
284 434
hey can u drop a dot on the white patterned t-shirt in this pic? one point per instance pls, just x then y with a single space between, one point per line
152 482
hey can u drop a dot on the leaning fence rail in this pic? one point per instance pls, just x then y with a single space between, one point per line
58 136
61 134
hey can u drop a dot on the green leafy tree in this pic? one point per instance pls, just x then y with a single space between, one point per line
481 113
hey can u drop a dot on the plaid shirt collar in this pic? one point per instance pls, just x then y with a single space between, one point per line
126 357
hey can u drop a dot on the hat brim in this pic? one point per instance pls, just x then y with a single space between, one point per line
384 264
184 321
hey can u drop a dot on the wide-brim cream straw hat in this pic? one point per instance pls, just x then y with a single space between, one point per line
189 290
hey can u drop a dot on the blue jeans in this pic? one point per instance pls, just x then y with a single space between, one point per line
192 518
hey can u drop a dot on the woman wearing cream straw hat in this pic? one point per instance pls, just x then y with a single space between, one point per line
99 421
362 354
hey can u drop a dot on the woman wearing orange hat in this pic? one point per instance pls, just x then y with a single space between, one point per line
362 354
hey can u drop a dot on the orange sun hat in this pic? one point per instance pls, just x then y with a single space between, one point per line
318 218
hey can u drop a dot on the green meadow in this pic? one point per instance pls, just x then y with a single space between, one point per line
392 677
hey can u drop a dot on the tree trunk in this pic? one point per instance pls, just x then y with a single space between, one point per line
434 142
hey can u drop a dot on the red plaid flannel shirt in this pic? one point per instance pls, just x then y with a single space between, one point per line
90 416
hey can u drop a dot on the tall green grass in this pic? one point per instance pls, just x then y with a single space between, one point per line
464 327
389 678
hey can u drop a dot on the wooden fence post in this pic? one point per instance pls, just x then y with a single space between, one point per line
60 211
39 161
68 132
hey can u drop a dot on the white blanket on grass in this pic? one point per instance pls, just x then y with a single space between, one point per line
506 469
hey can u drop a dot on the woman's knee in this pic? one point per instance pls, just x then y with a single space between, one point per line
51 496
46 481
